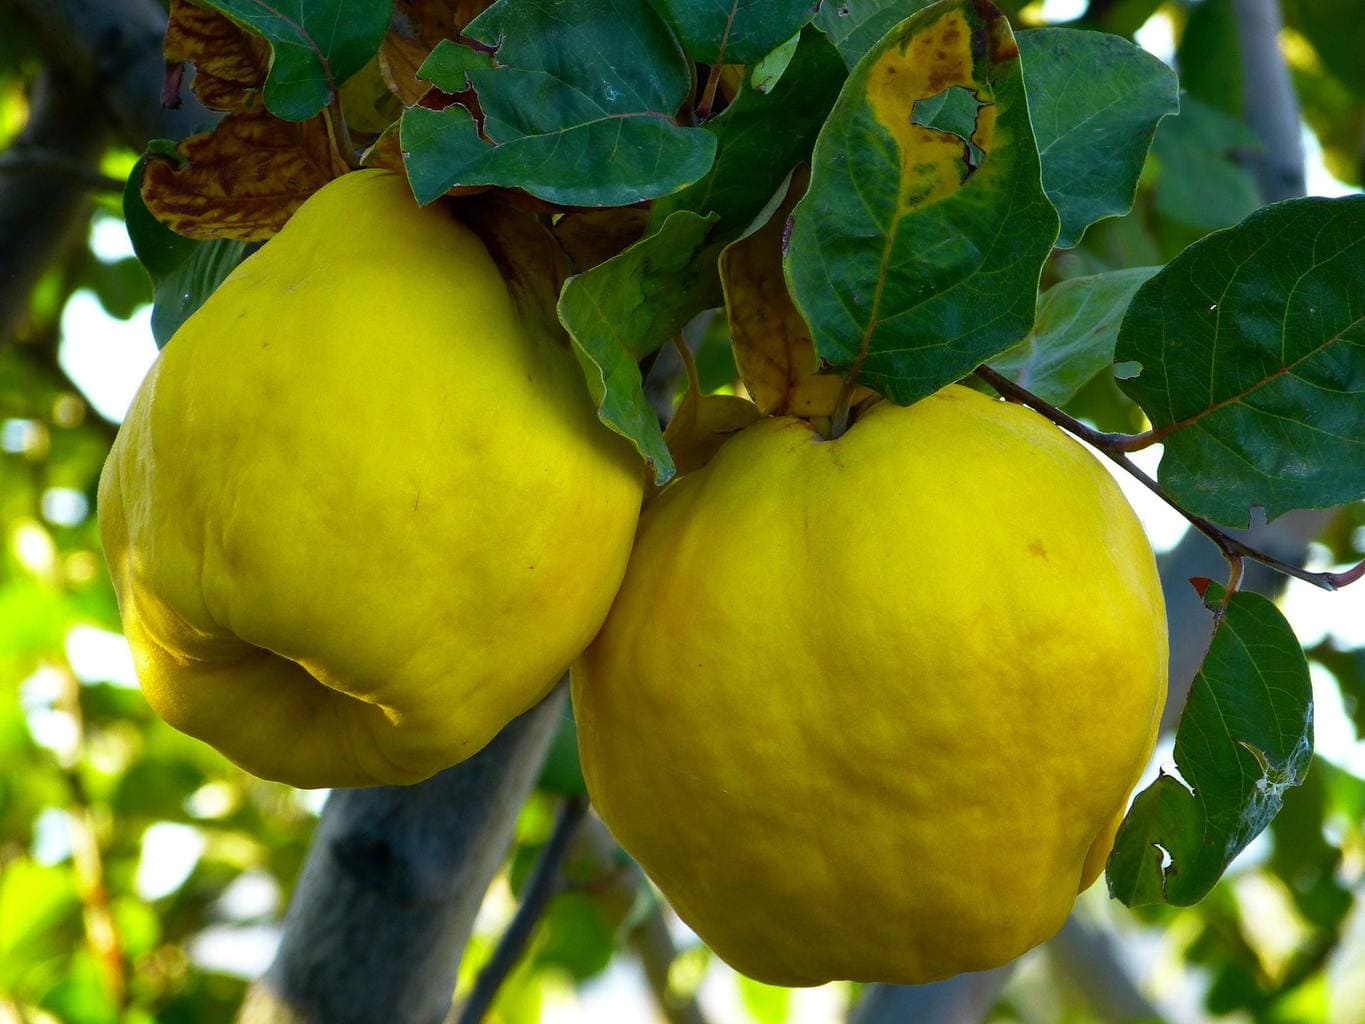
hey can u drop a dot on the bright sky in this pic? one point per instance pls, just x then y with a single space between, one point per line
107 358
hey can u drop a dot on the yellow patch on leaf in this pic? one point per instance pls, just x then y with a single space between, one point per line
773 348
230 63
938 57
244 178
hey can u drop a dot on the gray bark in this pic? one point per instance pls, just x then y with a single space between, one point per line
964 999
102 80
42 214
391 886
114 48
1272 109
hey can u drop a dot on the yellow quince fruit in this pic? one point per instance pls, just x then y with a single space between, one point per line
871 708
361 514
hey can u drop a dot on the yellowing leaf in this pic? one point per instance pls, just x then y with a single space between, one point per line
385 152
773 348
230 63
934 163
244 179
702 424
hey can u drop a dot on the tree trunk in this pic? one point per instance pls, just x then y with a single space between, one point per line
391 886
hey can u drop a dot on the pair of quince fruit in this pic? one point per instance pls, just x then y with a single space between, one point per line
863 708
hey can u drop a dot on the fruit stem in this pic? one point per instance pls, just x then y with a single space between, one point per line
1115 448
541 887
838 420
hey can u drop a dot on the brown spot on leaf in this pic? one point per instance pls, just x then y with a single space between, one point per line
1036 548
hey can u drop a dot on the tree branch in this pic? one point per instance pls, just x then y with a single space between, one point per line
393 881
650 939
43 215
963 999
541 887
113 48
1271 108
37 160
1115 448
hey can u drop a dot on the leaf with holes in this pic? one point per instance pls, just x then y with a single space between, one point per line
621 310
1252 348
1245 736
760 136
916 254
735 31
578 107
1074 334
315 45
1095 101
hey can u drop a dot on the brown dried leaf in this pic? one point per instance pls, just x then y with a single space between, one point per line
418 25
385 152
243 179
230 63
773 348
590 237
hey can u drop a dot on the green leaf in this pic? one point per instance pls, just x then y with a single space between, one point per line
735 31
766 1004
760 137
184 272
621 310
40 920
854 26
906 257
1245 737
1252 347
1201 184
1209 56
578 107
1095 101
562 772
315 45
1074 334
576 936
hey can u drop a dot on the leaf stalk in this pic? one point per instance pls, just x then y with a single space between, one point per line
1116 447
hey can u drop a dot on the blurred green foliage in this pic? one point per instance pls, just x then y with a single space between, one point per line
137 866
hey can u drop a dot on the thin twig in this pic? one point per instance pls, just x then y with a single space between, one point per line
341 132
540 889
38 160
1116 446
708 93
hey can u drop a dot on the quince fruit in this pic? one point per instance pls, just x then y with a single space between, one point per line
361 513
871 708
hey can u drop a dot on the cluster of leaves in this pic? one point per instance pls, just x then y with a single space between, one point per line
857 187
949 158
